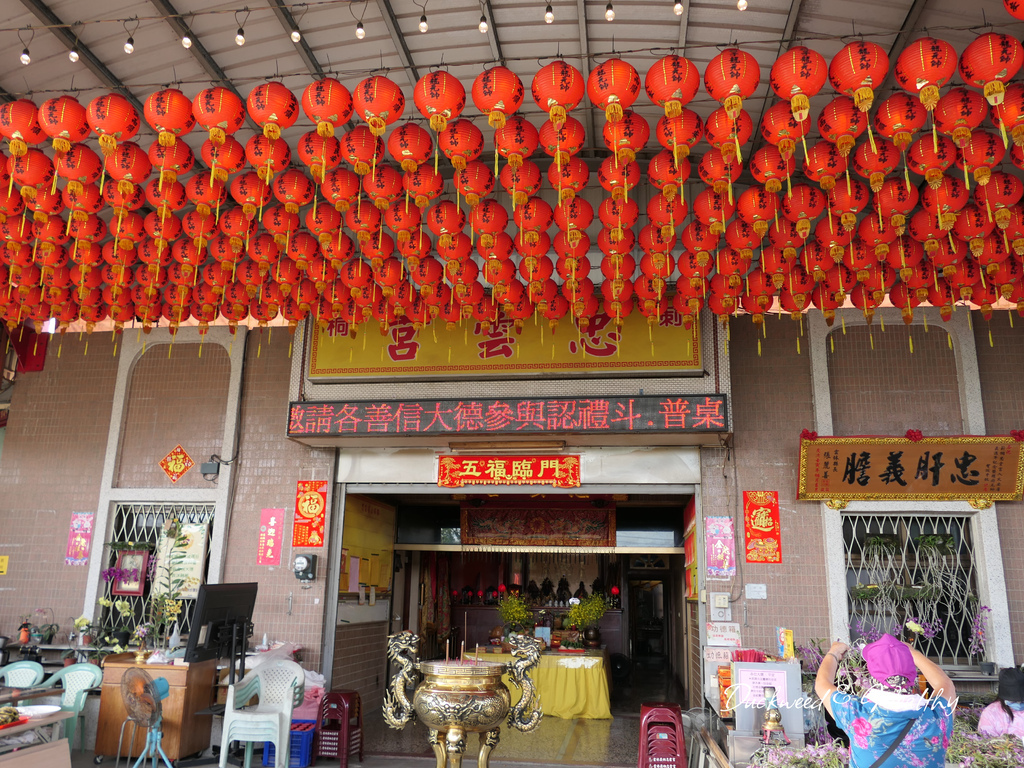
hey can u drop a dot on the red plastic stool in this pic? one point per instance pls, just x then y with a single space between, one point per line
662 743
340 727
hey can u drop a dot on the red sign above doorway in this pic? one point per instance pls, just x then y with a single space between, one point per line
556 471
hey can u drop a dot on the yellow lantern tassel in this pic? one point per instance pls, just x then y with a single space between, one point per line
881 322
832 343
925 318
871 339
842 322
990 337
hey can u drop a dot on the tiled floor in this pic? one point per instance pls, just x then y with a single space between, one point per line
555 742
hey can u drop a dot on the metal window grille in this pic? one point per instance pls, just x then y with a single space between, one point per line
913 567
142 523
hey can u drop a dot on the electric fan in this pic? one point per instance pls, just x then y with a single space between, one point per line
142 695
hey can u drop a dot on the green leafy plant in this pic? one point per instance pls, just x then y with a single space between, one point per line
935 542
588 612
169 585
514 612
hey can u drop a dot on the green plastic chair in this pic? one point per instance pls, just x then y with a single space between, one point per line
77 680
21 674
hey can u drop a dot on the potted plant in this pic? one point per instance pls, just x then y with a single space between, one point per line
586 614
47 629
516 616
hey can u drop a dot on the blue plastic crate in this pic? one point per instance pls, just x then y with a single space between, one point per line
300 743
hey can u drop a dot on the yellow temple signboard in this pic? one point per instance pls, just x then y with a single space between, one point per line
471 350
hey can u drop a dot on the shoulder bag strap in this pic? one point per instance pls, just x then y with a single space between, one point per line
892 747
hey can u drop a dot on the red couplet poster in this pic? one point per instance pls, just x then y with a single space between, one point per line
271 536
310 509
762 526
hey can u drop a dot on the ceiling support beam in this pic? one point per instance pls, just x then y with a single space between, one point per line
588 122
199 52
684 23
909 25
492 33
63 33
302 47
398 39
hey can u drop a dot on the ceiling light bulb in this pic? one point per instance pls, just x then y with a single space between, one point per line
482 26
609 12
240 37
423 23
549 15
742 5
72 55
677 9
129 45
186 41
25 58
360 32
295 35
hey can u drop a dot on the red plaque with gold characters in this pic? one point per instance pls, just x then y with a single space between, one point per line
310 508
176 463
763 527
556 471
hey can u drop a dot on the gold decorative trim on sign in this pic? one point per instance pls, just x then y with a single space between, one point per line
838 470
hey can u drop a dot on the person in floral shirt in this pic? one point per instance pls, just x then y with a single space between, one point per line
881 717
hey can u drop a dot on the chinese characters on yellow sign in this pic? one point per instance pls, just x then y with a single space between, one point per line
556 471
971 468
501 350
176 463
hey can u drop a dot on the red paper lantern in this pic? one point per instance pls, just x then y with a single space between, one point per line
713 210
19 124
410 146
727 133
340 188
64 120
757 206
498 93
461 142
516 140
128 164
170 161
730 77
379 101
781 128
113 118
999 196
327 103
294 189
573 217
847 200
362 149
267 156
474 182
562 141
989 62
671 83
627 136
250 191
823 163
319 154
1008 115
930 158
521 182
680 133
981 154
717 173
80 166
223 159
557 88
667 175
859 68
439 97
384 186
219 111
875 163
923 67
898 118
424 184
769 167
570 178
618 178
841 123
958 113
613 86
796 76
169 112
365 221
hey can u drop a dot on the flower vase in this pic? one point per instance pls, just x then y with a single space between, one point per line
592 635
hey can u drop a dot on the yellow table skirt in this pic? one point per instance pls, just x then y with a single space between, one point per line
569 685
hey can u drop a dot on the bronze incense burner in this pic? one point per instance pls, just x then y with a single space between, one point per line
459 697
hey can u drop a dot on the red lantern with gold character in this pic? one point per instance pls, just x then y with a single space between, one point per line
958 113
362 149
379 101
613 86
875 163
327 103
1008 115
666 175
64 120
570 179
923 67
169 112
319 154
671 83
440 97
557 88
680 133
841 123
461 142
931 158
113 118
627 136
780 128
730 77
516 140
769 167
410 146
563 141
273 108
498 93
19 124
823 163
898 118
859 68
989 62
727 134
797 76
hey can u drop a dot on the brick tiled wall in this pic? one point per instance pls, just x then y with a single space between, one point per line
266 471
1002 388
51 466
771 401
360 661
889 389
176 398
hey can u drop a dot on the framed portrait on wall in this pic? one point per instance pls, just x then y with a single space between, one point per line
134 564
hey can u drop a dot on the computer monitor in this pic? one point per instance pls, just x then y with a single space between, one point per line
219 610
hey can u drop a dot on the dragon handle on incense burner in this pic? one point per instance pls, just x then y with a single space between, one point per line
526 653
402 649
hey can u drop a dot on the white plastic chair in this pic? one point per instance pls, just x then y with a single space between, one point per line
77 680
280 685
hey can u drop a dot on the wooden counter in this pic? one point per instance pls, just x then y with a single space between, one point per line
185 732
